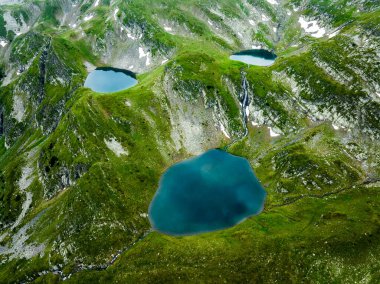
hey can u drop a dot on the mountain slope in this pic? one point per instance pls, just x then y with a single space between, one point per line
74 207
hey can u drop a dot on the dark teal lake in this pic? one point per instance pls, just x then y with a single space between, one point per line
110 80
258 57
213 191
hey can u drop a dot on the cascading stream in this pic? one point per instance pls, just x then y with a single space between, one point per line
244 102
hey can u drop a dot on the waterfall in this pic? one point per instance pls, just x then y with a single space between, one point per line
244 102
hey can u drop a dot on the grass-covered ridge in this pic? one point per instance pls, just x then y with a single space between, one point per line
70 203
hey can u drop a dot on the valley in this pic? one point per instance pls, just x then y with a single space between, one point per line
79 169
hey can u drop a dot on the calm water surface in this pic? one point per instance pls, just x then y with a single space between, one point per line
110 80
213 191
258 57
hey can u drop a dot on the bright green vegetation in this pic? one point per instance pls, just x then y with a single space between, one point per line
92 162
326 236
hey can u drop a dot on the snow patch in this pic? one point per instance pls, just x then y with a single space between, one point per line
273 2
3 43
333 34
256 46
147 63
87 18
115 13
224 131
168 29
312 27
164 61
115 147
335 127
142 53
273 133
131 36
247 111
210 23
96 3
264 18
251 22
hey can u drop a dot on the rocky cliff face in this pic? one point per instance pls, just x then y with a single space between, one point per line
41 78
78 169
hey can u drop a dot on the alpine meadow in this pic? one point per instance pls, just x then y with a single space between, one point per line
190 141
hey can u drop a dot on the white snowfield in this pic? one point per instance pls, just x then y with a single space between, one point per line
336 127
273 2
131 36
142 54
311 27
87 18
273 133
223 129
334 34
115 13
115 147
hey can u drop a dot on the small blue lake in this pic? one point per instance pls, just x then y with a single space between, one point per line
257 57
110 80
213 191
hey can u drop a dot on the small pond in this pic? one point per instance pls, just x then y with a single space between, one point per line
213 191
258 57
110 80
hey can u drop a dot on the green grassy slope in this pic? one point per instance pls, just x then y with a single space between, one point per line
312 240
89 203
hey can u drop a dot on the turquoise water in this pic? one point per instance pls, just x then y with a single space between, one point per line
258 57
110 80
213 191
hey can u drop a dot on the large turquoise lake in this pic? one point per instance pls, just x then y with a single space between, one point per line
257 57
110 80
213 191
